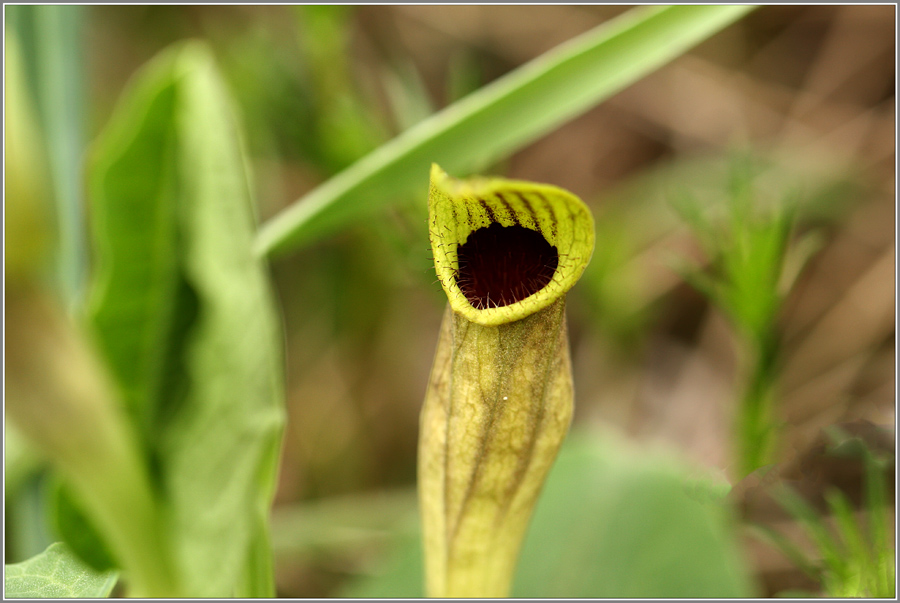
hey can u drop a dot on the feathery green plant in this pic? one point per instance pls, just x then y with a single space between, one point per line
752 267
855 556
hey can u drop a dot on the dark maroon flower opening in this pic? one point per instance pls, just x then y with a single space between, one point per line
500 265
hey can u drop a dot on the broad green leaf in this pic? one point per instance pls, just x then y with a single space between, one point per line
56 574
612 522
501 117
133 300
184 313
224 447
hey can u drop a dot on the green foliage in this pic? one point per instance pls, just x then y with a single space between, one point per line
345 128
747 248
610 522
55 574
22 460
614 523
30 232
501 117
752 266
185 318
182 313
73 525
52 39
856 559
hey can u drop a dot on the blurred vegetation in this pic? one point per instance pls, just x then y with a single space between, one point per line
804 94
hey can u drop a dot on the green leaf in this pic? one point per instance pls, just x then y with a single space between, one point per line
185 315
133 298
55 574
76 529
502 117
615 523
30 231
611 522
812 523
52 42
21 460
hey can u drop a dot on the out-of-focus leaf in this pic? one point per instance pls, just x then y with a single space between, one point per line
611 522
501 117
21 460
77 530
30 235
334 524
346 128
58 393
133 296
615 523
55 574
61 77
51 37
184 313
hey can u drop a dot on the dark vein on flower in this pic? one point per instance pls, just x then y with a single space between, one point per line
508 207
538 408
529 208
490 212
495 409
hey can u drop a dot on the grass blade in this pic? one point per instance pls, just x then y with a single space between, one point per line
501 117
807 516
51 39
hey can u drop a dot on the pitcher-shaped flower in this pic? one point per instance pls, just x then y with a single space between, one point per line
499 399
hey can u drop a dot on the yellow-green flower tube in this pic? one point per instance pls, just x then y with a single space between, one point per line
499 399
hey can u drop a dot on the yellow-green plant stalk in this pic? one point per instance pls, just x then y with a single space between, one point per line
500 398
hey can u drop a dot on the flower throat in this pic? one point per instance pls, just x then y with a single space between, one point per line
501 265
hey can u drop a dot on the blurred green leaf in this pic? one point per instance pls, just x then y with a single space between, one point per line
615 523
408 94
72 524
61 95
346 127
21 459
59 395
133 300
501 117
30 228
55 574
51 39
185 316
812 523
611 522
334 525
25 522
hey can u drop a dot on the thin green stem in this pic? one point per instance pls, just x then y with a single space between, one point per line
756 428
